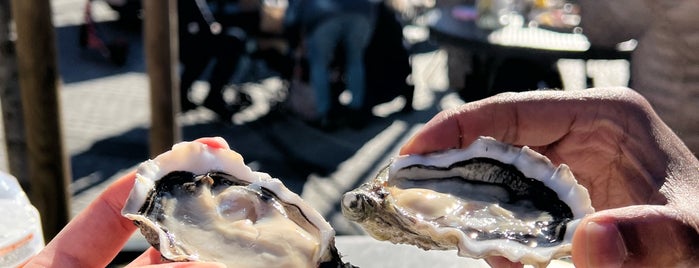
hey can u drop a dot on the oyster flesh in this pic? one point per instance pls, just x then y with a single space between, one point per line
490 199
200 202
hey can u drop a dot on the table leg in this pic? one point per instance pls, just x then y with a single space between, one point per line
478 83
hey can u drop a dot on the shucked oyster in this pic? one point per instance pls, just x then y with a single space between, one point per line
200 202
490 199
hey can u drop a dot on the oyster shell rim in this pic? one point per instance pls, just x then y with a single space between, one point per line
533 165
202 159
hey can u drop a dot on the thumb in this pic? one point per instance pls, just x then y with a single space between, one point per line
635 236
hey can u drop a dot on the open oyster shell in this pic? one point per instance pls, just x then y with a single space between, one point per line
200 202
490 199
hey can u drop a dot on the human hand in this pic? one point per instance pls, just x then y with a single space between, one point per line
97 234
641 177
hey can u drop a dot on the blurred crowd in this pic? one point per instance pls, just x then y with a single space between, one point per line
320 47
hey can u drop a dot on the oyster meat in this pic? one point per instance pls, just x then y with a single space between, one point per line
490 199
200 202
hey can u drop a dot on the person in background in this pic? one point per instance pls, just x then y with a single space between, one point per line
665 63
325 25
208 35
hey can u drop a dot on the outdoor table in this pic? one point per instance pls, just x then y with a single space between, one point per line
521 51
366 252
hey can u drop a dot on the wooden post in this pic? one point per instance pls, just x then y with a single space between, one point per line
38 80
161 48
12 115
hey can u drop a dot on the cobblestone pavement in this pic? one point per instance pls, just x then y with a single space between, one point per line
105 115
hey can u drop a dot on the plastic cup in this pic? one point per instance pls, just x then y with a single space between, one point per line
21 235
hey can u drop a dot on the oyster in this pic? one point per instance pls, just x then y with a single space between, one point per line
490 199
200 202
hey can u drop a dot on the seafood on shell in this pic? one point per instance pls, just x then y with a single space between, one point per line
489 199
200 202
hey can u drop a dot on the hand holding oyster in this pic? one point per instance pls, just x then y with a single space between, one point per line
200 202
489 199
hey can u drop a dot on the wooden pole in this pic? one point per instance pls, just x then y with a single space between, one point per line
38 80
161 48
12 115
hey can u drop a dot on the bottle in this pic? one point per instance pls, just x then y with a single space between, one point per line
21 235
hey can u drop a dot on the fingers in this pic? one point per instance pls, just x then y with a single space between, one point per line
507 117
215 142
150 256
502 262
96 235
649 236
534 118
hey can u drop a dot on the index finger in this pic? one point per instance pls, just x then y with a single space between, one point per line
96 235
534 118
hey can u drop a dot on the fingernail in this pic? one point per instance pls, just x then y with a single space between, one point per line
605 246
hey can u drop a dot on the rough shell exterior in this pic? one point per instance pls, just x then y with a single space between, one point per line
378 208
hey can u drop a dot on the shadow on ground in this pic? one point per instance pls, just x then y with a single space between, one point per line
278 143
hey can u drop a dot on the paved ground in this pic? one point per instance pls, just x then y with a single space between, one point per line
105 118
